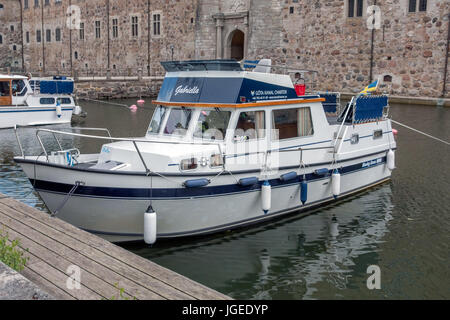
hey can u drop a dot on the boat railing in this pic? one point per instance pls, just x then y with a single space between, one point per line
298 72
111 139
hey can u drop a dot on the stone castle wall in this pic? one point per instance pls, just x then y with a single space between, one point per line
10 44
83 50
409 49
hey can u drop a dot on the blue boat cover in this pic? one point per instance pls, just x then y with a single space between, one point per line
56 86
369 108
330 105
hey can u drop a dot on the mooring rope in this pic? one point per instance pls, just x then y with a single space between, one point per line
106 102
423 133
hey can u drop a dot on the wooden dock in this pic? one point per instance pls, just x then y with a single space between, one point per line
53 245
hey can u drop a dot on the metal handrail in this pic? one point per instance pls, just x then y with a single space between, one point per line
134 141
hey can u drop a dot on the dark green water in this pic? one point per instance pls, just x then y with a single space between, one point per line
402 226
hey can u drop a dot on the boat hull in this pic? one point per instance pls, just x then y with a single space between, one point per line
117 213
33 116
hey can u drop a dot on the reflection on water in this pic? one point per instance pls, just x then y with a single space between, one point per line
402 226
314 257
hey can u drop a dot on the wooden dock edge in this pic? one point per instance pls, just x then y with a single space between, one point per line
58 252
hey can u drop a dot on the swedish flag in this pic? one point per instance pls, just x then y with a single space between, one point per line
371 87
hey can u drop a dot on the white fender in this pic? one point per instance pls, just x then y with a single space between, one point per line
266 196
58 111
150 226
336 183
77 110
390 160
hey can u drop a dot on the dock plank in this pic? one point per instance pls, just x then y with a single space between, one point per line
105 263
95 284
46 285
151 283
105 274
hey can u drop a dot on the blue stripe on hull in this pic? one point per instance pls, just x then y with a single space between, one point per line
183 193
39 110
243 223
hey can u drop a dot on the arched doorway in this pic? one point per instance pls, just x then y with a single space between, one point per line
237 45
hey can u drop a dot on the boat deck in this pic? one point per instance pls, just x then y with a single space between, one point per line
53 246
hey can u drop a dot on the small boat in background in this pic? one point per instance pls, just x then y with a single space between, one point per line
36 101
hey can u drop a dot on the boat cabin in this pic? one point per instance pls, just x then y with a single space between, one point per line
205 99
21 91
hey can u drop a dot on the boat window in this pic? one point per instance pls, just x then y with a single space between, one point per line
212 124
377 134
19 88
4 89
178 121
188 164
251 125
64 100
157 119
291 123
47 101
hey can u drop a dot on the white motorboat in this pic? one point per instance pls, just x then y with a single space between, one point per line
29 102
226 147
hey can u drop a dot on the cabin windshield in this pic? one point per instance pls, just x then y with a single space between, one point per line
212 124
157 119
178 121
18 88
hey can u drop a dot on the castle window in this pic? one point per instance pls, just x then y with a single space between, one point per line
58 34
48 35
134 26
27 37
25 4
412 5
75 55
357 5
115 28
36 3
423 5
11 27
81 30
97 29
415 6
38 35
14 47
1 6
47 2
1 39
157 24
291 10
387 78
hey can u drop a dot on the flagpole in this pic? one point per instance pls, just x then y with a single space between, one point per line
371 47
